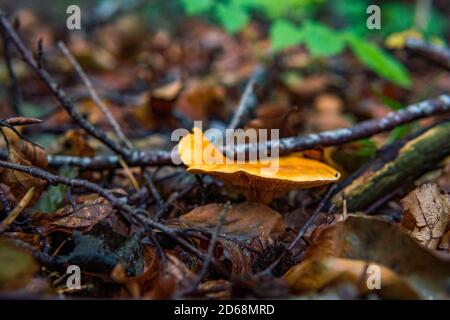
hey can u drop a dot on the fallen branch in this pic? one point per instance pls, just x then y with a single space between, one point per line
395 166
361 130
14 90
59 93
437 54
249 99
210 253
114 124
132 215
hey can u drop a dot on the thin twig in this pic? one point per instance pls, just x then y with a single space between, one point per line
15 94
210 252
313 218
130 214
4 202
248 100
154 191
301 233
437 54
23 203
59 93
427 108
93 93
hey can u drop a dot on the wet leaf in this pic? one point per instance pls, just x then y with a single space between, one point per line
377 241
25 153
314 275
427 214
250 223
16 266
244 221
67 219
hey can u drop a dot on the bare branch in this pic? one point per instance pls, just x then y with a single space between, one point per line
59 93
427 108
99 102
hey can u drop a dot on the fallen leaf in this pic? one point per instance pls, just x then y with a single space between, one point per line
67 219
25 153
313 275
244 221
251 223
377 241
427 214
16 266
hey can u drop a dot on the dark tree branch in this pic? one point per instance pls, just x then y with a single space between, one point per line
14 90
427 108
249 99
130 214
94 96
437 54
210 253
59 93
5 204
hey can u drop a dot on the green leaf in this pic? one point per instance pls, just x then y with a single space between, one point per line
284 34
232 17
321 40
379 61
368 148
53 198
193 7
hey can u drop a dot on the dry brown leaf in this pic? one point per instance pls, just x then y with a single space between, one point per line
66 219
25 153
16 266
427 214
244 221
316 274
153 283
377 241
200 100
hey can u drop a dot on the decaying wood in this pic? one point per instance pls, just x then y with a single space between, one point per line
397 165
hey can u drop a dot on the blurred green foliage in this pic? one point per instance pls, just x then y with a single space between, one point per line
293 22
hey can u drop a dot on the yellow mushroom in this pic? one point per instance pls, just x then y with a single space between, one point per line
257 184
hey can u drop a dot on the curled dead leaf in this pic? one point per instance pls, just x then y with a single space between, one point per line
25 153
427 214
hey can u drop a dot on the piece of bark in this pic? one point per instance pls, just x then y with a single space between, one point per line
395 166
427 214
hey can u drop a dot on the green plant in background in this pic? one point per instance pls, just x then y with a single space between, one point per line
291 23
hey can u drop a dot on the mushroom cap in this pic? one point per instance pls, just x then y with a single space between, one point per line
256 178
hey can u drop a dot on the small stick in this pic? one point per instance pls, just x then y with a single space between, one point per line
210 252
4 202
302 231
364 129
154 192
130 214
15 94
248 100
437 54
23 203
59 93
93 93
